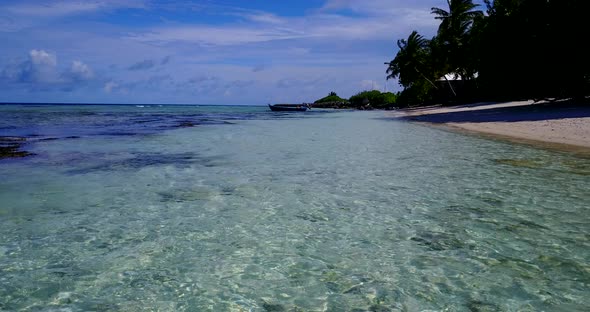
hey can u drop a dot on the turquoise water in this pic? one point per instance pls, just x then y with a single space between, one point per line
126 208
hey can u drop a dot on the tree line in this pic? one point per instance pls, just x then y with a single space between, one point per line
363 100
517 49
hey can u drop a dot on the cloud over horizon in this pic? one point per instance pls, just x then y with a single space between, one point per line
40 71
133 51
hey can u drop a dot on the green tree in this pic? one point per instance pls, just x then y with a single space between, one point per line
331 98
413 65
411 61
454 34
521 49
374 98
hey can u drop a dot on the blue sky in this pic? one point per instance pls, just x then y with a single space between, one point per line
201 52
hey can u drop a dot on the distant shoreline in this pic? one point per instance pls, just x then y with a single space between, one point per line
126 104
561 125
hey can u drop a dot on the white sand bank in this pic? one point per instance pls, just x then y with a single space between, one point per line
558 123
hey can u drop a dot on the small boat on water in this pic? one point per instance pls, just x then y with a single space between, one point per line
287 107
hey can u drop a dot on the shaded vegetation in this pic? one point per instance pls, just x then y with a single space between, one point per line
362 100
373 99
518 49
332 97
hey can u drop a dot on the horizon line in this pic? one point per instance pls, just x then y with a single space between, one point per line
152 104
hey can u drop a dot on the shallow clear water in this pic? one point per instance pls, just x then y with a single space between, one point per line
240 209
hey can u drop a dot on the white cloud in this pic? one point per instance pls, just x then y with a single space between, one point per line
378 21
52 9
110 86
380 7
81 71
25 14
64 8
262 17
41 71
307 55
214 36
41 67
209 36
42 58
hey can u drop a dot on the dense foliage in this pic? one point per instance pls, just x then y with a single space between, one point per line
373 99
519 49
331 98
361 100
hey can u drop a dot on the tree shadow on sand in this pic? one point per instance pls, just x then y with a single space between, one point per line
534 112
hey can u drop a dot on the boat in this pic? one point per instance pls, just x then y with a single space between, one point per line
287 107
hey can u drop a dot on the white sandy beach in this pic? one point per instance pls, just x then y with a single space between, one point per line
565 124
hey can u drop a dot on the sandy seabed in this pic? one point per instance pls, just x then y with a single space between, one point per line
561 124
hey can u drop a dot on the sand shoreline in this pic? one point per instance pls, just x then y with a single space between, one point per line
561 125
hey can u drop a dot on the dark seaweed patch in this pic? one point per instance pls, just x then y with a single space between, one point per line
227 190
307 218
142 121
480 306
119 133
144 160
49 139
524 163
272 307
186 124
11 140
10 147
188 195
532 224
438 241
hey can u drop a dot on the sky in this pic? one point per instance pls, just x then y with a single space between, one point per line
228 52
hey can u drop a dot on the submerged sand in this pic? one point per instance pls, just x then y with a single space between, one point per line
562 123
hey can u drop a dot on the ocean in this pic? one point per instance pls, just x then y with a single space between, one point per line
237 208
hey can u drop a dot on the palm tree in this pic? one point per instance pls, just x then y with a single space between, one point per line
459 18
410 63
454 30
